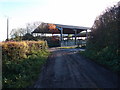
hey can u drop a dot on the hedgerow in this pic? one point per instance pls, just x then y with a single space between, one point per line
22 62
103 45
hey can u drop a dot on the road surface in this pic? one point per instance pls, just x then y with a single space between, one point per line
66 68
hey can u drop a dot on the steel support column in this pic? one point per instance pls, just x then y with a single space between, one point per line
75 36
61 36
86 35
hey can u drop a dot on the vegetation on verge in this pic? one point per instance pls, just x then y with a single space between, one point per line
103 45
22 62
71 47
66 47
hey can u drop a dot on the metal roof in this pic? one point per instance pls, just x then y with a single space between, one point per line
67 29
72 27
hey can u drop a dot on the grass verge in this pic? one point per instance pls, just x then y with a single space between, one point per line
106 61
72 47
22 73
65 47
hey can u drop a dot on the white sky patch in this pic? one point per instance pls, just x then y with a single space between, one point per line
69 12
20 0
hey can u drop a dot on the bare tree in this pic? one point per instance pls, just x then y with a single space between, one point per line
18 32
31 26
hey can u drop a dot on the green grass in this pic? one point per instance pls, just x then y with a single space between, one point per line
106 58
23 73
71 47
66 47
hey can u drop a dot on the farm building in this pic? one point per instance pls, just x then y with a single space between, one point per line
68 35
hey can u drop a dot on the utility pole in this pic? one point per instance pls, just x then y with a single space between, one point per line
7 27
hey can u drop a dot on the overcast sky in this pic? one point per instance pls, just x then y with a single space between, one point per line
69 12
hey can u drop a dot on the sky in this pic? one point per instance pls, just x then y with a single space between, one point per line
68 12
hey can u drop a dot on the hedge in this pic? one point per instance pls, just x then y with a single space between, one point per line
22 62
17 50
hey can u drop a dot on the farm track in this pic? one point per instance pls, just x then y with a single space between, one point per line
65 68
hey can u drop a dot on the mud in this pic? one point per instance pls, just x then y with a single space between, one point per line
66 68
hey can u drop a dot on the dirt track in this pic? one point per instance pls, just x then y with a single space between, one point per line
65 68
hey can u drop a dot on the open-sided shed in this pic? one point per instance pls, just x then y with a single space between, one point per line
62 29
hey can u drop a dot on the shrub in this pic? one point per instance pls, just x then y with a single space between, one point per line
18 50
22 62
103 44
14 50
23 73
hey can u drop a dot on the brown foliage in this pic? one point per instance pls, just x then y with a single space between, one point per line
18 50
53 28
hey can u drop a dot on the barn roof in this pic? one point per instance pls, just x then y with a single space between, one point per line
67 29
72 27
